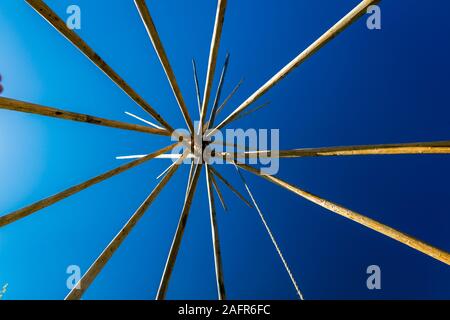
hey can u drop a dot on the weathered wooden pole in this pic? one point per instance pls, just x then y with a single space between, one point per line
237 193
215 238
26 211
175 247
26 107
197 87
419 245
212 116
437 147
214 50
77 292
346 21
49 15
159 48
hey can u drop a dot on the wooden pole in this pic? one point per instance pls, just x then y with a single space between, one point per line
419 245
191 174
159 48
21 106
240 196
197 87
219 193
77 292
214 50
249 112
26 211
49 15
340 26
212 116
215 238
224 103
437 147
171 259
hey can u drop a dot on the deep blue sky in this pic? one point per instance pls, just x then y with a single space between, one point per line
387 86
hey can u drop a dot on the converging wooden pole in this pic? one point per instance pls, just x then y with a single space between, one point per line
26 211
214 50
233 189
437 147
159 48
224 103
49 15
26 107
340 26
80 288
215 238
212 116
419 245
219 193
197 87
171 259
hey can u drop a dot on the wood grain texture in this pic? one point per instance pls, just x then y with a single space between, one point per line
28 210
26 107
175 247
77 292
392 233
215 238
159 48
214 50
340 26
50 16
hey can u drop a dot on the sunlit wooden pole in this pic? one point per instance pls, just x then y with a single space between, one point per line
49 15
159 48
26 211
340 26
175 247
215 238
26 107
233 189
214 50
437 147
80 288
419 245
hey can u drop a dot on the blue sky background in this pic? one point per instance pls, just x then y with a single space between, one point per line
365 87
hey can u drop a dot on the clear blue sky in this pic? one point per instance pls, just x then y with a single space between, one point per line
365 87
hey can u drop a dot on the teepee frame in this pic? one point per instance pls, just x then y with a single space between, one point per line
196 167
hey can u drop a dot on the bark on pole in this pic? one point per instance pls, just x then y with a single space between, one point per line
26 107
48 14
159 48
414 243
80 288
340 26
26 211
